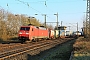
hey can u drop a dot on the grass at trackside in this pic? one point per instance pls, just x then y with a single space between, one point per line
81 58
82 49
60 52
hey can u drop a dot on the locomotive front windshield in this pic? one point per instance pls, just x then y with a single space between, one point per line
25 28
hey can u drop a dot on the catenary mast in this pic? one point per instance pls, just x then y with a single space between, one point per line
88 19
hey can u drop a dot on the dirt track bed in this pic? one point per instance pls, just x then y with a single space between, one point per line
82 49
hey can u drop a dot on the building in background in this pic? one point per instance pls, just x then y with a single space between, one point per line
62 31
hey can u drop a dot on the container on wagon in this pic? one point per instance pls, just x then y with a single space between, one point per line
56 33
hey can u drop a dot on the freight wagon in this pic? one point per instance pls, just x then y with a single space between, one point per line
51 34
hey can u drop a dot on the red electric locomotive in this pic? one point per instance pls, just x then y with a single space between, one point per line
33 33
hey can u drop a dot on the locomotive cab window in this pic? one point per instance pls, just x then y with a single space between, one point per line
25 28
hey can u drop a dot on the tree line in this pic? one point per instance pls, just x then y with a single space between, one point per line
10 24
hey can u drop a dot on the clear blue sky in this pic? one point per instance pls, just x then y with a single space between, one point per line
69 11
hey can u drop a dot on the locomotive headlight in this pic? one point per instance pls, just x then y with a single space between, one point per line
27 33
20 32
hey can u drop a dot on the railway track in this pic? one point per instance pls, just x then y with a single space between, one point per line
13 46
17 49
